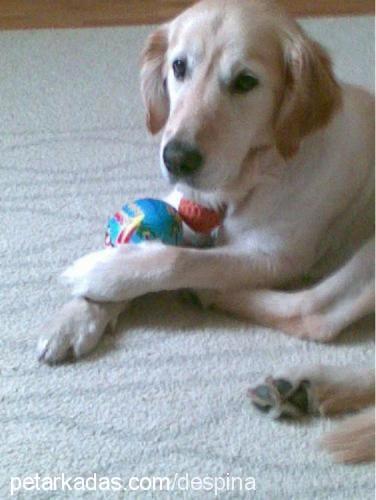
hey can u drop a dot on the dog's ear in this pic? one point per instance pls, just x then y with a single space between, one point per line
311 93
153 89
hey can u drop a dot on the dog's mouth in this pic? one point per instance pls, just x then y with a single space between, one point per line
187 180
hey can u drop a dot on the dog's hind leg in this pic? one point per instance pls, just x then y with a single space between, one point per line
326 390
318 313
353 441
317 390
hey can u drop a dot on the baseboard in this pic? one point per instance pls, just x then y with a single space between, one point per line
22 14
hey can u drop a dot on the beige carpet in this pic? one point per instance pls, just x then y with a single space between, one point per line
165 395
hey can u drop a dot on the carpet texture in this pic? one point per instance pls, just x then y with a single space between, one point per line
165 394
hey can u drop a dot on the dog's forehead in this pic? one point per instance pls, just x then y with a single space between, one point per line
195 31
238 33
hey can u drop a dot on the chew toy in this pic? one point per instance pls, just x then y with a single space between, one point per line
145 220
149 219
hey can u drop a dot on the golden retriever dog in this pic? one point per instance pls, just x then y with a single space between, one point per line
255 126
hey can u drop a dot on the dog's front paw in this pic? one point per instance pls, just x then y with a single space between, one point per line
74 331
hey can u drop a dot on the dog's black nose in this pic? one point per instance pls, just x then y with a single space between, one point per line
181 158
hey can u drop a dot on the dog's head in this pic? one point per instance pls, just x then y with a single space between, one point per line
228 78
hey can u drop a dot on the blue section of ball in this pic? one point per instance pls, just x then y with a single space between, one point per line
113 230
145 220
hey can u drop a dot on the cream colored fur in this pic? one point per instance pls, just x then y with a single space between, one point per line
291 162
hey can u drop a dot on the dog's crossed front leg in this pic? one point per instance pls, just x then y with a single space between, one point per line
124 273
104 282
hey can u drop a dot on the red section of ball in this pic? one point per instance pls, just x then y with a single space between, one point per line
199 218
119 217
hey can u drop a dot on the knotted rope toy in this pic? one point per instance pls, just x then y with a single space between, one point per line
150 219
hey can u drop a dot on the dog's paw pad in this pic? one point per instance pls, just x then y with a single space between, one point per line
262 398
300 398
280 398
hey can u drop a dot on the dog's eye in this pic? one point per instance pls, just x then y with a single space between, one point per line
179 66
244 83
